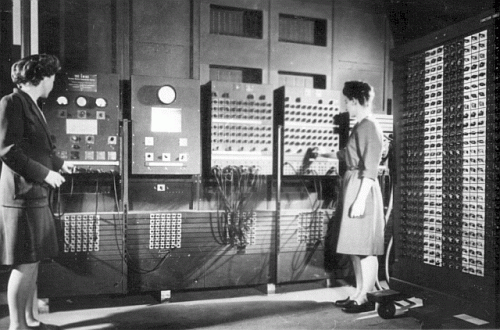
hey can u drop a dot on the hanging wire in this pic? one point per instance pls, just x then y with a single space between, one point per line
97 195
314 207
117 202
236 186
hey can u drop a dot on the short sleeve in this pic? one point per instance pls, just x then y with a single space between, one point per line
369 144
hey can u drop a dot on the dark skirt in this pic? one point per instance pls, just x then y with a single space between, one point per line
27 235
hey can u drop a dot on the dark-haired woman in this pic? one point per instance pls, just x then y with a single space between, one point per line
362 225
30 168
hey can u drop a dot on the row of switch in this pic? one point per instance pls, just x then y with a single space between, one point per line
236 133
82 114
233 116
238 102
89 155
224 109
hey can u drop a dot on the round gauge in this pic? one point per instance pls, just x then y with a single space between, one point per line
167 94
81 101
62 100
101 102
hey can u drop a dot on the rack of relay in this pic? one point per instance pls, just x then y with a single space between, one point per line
447 222
448 156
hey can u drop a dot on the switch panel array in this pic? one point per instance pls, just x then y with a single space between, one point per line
449 156
307 116
241 125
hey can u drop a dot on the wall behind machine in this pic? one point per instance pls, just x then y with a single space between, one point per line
177 39
242 49
161 37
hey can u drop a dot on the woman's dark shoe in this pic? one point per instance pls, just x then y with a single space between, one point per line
343 303
44 326
355 308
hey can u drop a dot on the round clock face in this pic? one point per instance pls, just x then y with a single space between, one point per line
167 94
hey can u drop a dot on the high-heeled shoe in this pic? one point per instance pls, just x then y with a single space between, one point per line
343 303
355 308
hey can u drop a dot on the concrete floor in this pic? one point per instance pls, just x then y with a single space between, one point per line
233 309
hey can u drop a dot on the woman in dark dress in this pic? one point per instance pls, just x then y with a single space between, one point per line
30 169
361 233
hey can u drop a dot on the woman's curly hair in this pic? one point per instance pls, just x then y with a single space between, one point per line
32 69
358 90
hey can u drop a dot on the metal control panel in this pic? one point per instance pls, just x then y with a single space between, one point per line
165 126
241 125
307 116
83 115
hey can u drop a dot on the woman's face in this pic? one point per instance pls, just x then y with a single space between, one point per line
47 85
350 106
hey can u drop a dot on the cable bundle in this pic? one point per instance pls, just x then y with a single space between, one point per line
235 187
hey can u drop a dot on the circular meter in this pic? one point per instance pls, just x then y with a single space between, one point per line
62 100
167 94
101 102
81 101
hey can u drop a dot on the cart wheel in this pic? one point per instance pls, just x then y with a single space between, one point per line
386 310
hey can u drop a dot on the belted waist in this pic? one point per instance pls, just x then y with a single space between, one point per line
352 168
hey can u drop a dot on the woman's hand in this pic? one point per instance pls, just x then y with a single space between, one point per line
357 208
67 167
54 179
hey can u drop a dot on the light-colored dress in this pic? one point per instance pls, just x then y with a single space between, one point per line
362 235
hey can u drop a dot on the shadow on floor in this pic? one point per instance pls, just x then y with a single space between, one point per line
242 315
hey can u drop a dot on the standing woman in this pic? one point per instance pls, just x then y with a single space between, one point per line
30 169
361 233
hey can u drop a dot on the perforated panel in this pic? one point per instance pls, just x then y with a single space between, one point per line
241 126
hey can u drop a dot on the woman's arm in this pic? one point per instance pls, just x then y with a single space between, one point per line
332 155
369 143
358 207
14 150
